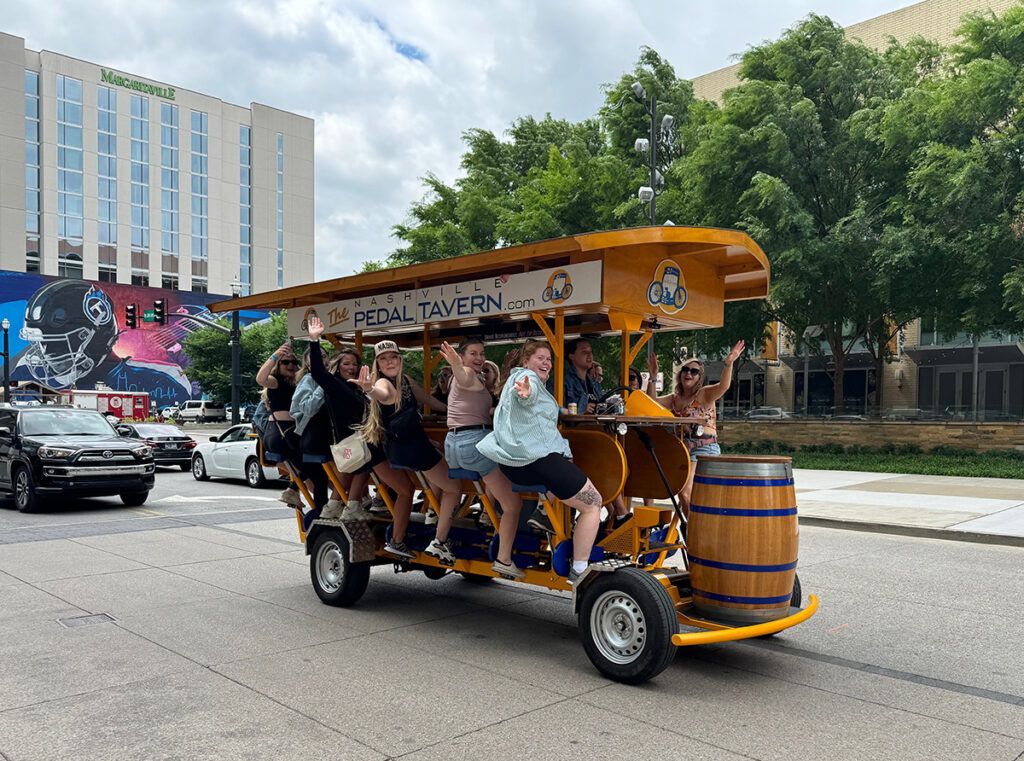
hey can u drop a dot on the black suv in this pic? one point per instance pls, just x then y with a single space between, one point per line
51 451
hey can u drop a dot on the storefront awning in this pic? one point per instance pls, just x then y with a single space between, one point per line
931 356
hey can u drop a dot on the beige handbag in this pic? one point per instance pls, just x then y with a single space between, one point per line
350 454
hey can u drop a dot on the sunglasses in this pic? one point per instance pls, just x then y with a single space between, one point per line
292 362
690 371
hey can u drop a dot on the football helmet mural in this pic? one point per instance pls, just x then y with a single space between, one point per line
70 328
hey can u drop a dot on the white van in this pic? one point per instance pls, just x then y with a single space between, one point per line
200 411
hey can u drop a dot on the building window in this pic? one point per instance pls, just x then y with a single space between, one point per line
70 180
32 215
169 282
140 189
169 229
200 198
245 209
106 180
107 274
200 285
280 210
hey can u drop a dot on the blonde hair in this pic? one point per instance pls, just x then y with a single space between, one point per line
497 373
373 429
679 390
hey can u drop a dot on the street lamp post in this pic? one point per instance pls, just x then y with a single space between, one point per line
6 326
236 355
649 145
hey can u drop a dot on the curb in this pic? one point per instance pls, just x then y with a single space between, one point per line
927 532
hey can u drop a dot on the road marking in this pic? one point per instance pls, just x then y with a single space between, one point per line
182 499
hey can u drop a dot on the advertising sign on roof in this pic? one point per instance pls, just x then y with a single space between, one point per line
568 286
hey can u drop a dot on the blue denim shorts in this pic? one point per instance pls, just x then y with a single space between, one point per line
708 450
460 451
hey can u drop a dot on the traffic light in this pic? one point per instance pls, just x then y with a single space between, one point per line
159 312
131 316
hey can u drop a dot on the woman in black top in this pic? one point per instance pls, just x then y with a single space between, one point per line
348 407
277 377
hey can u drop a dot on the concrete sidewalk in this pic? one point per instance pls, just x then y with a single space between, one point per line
950 507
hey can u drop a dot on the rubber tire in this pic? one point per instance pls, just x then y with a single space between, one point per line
261 480
355 576
434 574
185 467
659 616
794 602
202 475
135 498
476 578
32 501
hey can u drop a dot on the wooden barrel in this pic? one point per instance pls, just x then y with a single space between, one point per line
743 538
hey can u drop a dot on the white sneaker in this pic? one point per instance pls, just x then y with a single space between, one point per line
485 519
354 511
442 551
291 498
333 510
377 505
431 519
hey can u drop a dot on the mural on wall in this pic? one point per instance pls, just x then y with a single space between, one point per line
71 333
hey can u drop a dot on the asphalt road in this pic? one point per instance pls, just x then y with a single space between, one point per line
216 647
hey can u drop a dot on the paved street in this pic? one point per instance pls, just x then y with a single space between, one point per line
207 641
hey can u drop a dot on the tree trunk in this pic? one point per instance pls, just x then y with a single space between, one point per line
837 384
879 369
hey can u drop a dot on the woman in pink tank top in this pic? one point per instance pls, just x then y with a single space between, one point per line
469 420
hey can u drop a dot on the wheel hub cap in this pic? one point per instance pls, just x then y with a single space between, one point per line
330 567
618 627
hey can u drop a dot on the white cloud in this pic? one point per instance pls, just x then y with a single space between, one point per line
392 86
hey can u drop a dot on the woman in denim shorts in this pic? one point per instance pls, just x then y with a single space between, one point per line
469 420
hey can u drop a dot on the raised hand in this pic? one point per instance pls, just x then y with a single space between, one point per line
733 355
523 387
652 365
316 328
452 357
284 350
365 380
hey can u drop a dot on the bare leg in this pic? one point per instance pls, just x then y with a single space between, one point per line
359 486
684 495
397 480
588 502
621 506
499 485
451 495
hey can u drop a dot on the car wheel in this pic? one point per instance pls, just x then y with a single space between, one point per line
201 419
199 469
135 498
254 473
336 580
25 498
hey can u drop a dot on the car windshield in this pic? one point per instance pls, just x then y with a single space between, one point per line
158 430
64 423
214 406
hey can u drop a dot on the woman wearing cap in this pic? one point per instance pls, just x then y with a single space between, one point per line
693 400
469 420
530 450
394 424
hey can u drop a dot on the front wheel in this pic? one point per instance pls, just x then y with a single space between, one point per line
337 581
135 498
254 473
794 602
199 469
25 498
627 620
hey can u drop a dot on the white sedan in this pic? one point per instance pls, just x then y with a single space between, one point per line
232 455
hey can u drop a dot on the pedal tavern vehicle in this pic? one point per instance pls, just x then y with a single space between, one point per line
653 583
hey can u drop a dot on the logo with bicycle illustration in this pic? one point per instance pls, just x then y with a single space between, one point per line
667 290
559 287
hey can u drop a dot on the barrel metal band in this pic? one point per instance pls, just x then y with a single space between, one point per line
742 512
708 467
742 566
744 600
708 481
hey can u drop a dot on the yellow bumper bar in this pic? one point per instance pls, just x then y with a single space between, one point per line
746 632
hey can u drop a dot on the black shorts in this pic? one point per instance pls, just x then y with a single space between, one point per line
280 440
377 456
556 471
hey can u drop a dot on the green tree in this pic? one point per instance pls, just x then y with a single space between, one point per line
210 356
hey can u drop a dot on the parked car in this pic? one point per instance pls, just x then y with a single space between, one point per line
201 411
232 455
61 451
171 445
761 413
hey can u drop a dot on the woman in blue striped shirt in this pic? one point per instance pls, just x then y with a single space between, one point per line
529 449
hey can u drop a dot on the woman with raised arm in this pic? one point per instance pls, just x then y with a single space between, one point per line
469 420
394 423
277 378
347 410
530 450
693 401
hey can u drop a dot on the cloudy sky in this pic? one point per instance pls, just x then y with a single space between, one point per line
392 85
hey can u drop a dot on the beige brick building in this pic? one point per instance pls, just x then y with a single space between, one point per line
931 376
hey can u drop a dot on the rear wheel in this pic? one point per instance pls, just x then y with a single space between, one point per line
476 578
199 469
627 620
25 498
336 580
254 473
